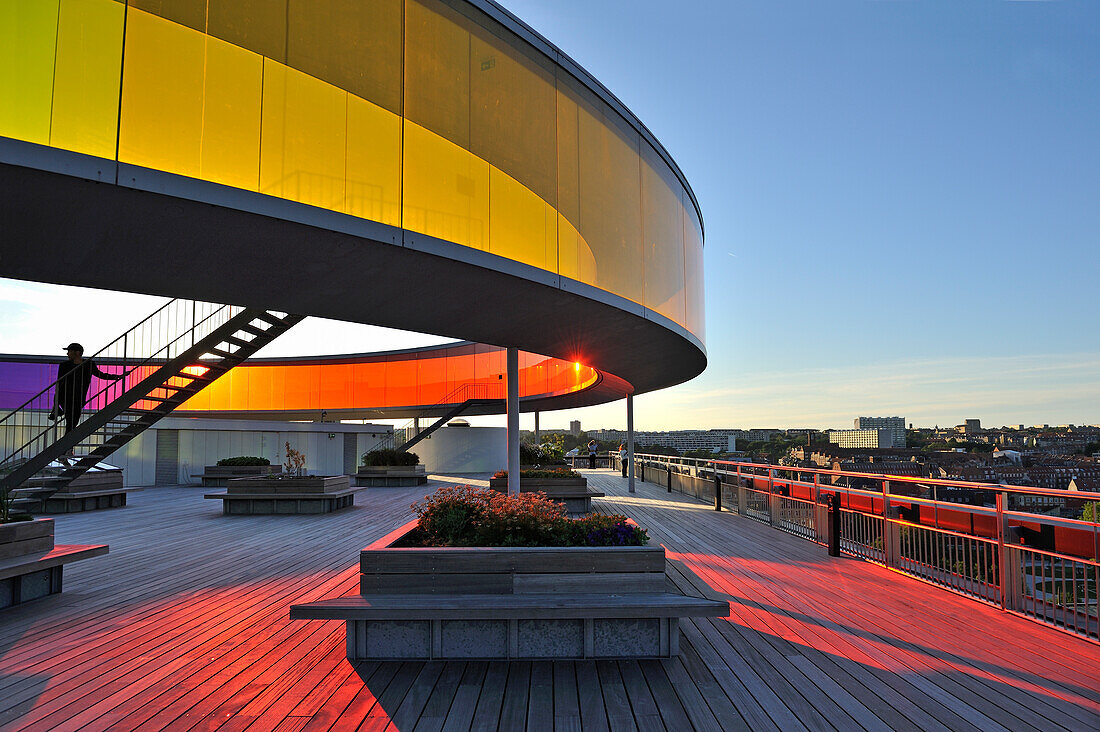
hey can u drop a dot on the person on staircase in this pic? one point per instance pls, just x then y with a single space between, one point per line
73 379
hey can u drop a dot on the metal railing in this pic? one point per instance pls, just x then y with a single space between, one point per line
991 548
163 335
459 395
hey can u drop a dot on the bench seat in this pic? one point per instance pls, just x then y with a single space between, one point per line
30 576
499 606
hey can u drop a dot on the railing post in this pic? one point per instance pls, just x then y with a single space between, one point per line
771 497
717 490
669 469
1002 569
741 494
891 532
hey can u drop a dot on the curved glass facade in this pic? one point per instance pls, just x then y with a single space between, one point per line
422 114
421 377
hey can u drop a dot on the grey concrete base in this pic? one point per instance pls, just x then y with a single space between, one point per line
625 638
260 504
30 586
371 481
73 503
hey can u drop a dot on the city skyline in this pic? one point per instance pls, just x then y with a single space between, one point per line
877 181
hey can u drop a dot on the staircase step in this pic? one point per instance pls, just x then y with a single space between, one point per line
271 318
237 341
249 328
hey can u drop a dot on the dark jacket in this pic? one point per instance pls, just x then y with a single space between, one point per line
73 380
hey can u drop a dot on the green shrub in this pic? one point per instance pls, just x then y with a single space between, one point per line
390 456
541 473
469 516
244 460
545 454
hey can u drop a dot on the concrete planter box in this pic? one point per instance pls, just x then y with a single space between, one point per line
510 603
266 495
389 476
218 476
573 492
92 490
30 564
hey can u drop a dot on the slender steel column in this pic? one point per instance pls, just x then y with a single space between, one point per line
513 420
537 440
630 442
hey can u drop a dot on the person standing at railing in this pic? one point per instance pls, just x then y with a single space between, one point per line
622 457
73 379
593 449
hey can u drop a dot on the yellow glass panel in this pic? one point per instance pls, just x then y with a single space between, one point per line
191 13
373 162
575 258
162 86
568 153
87 76
522 226
233 85
437 70
258 25
693 270
512 114
28 39
302 143
610 193
352 44
446 189
663 235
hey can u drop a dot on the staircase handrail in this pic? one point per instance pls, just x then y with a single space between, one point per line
126 370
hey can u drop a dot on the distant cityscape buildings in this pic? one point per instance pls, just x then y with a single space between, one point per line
864 438
682 440
896 426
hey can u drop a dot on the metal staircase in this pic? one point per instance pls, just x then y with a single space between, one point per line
455 403
158 365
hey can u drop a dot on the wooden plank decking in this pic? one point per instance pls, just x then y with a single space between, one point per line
184 626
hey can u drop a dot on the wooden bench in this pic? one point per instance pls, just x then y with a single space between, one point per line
499 602
31 565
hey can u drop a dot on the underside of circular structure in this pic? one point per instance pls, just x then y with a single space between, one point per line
417 164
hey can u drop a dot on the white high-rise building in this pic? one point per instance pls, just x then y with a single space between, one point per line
896 425
862 439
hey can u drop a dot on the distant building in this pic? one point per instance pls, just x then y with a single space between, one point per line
896 425
864 438
575 427
969 427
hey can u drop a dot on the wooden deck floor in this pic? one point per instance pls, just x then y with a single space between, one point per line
184 627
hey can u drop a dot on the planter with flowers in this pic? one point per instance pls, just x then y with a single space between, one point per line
481 574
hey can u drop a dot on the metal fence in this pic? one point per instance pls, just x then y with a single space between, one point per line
976 539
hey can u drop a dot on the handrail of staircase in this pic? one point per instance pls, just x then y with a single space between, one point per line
123 339
450 400
151 338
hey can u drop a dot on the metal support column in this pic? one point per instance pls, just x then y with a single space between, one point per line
513 421
630 442
537 440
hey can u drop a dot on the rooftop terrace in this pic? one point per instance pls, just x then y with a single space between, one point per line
184 626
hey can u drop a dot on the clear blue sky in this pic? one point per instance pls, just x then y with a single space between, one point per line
902 202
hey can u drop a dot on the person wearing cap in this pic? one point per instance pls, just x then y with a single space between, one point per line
73 379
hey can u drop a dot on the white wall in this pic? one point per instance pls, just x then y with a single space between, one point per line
464 450
203 442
